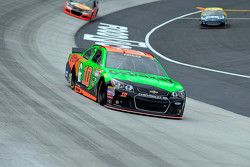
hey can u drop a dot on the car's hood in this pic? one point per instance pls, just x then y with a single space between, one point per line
162 82
80 5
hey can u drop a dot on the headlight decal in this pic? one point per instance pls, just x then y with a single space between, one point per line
179 94
122 86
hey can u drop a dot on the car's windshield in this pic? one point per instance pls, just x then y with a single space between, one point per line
89 3
134 63
213 13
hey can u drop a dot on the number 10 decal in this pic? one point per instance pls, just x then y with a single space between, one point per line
87 76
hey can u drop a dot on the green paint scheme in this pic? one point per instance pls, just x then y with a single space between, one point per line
162 82
97 71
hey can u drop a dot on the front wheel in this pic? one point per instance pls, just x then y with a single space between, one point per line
72 80
223 25
93 16
102 93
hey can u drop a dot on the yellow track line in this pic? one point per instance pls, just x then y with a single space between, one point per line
228 10
236 10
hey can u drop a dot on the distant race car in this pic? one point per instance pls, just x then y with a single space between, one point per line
125 80
213 17
82 9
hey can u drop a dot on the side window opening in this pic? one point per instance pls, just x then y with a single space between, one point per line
98 57
88 53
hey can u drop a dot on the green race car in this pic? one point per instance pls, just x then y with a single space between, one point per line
125 80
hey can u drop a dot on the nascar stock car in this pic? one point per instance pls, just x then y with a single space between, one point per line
213 17
125 80
82 9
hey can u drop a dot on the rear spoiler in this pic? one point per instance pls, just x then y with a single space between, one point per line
78 50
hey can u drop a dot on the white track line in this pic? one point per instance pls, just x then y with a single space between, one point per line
180 63
190 18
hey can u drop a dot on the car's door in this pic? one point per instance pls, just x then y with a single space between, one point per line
96 67
84 72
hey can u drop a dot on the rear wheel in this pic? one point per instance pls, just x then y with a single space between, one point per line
102 93
72 79
203 26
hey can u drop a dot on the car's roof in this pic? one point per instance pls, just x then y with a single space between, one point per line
213 8
127 51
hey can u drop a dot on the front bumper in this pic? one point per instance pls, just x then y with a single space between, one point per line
213 22
77 14
145 104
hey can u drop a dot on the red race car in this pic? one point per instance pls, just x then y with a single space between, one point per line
82 9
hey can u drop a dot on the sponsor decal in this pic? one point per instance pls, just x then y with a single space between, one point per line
177 103
109 97
152 96
93 82
131 55
97 73
124 94
153 92
111 91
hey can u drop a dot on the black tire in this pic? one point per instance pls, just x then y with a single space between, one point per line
93 19
96 13
223 25
202 26
102 93
72 79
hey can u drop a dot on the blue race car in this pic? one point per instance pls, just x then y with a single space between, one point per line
213 17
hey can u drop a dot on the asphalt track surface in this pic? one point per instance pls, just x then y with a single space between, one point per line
44 123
